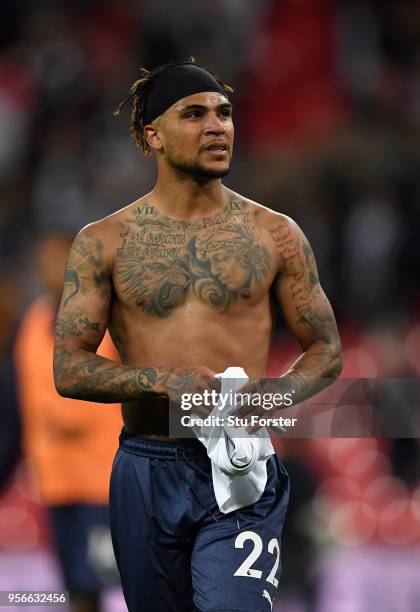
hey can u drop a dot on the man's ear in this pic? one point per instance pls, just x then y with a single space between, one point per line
152 136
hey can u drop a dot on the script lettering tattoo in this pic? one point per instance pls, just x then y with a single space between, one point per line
160 259
298 263
290 249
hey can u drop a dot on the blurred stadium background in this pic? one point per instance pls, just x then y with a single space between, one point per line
327 115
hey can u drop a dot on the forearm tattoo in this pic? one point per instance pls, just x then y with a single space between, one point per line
83 374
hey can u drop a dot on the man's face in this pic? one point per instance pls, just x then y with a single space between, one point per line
228 270
197 134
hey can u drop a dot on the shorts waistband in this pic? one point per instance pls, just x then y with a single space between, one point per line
148 447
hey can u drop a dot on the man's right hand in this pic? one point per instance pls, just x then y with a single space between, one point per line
190 381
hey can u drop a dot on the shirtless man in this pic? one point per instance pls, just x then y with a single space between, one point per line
187 279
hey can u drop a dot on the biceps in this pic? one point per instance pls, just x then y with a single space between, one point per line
306 310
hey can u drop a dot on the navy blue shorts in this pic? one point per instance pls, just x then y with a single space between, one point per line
78 530
176 552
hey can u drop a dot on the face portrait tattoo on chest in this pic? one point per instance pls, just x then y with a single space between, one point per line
219 258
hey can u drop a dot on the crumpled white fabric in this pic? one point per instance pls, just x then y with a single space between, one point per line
238 459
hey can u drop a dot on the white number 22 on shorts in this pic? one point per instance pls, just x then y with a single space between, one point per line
246 569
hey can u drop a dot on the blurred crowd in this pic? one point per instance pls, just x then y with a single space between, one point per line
327 118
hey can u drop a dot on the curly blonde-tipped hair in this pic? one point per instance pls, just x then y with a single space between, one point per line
138 92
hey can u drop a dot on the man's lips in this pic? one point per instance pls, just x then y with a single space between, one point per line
216 152
218 147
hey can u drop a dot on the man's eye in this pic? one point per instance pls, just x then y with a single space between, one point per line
226 113
193 114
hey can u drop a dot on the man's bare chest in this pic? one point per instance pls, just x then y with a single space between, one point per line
219 259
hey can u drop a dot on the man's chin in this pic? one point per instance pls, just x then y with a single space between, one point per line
205 171
209 172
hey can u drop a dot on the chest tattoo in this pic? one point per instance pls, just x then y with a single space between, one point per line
219 258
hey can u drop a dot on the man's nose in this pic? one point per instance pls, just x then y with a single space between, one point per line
214 125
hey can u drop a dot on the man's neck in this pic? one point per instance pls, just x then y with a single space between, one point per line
187 198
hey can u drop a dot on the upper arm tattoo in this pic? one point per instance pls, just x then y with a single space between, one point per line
85 268
298 262
310 307
75 324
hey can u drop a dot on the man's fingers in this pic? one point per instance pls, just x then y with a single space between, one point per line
204 392
246 392
245 410
247 388
202 411
215 384
211 385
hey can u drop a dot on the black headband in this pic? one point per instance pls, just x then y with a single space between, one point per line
176 82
